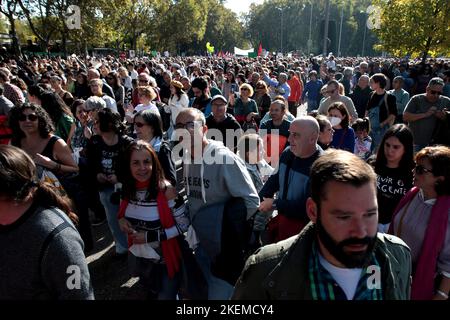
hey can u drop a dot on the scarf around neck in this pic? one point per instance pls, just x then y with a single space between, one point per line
170 248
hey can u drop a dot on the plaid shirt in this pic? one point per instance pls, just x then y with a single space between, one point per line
324 287
13 93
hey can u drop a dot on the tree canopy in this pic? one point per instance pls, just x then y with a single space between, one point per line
414 27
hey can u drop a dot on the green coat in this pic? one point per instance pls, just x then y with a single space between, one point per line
280 271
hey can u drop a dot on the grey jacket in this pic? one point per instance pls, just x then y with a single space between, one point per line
280 271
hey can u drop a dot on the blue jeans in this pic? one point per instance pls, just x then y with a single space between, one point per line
312 105
218 289
120 238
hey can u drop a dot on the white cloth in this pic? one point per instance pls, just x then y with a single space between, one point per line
346 278
144 250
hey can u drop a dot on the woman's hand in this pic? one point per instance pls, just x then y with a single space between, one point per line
44 161
138 238
125 226
250 116
87 132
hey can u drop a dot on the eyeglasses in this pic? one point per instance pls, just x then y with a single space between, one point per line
30 117
421 169
434 92
188 125
139 124
245 89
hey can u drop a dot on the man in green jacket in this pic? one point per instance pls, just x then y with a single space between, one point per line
338 255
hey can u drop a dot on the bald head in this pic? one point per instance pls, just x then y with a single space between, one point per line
191 114
93 74
304 132
309 123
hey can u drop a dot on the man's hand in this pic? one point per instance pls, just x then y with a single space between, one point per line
442 114
102 178
266 205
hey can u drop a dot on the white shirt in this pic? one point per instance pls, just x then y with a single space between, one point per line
151 107
346 278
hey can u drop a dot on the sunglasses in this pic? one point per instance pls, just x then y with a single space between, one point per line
245 89
330 91
139 124
421 169
142 80
436 92
30 117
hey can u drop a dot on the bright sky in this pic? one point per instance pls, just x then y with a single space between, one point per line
240 6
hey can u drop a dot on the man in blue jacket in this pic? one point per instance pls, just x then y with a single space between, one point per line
312 91
291 181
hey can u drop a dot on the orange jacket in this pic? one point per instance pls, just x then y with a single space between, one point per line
296 89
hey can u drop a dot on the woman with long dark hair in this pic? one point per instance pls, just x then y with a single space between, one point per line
33 132
393 166
40 245
114 81
149 216
148 127
104 153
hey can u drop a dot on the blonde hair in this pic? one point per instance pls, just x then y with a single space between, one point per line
147 92
247 86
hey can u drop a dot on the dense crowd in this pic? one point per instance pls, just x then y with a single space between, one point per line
351 153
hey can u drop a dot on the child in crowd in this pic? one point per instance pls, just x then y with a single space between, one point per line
251 150
363 142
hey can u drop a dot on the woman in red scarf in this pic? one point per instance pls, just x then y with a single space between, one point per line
422 221
153 222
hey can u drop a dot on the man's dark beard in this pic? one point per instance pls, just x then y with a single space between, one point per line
349 260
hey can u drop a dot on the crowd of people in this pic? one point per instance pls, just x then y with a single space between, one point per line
300 176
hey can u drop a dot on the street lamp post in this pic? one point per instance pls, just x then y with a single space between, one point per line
281 28
364 36
310 27
340 32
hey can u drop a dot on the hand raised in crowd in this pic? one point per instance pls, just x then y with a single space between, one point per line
87 132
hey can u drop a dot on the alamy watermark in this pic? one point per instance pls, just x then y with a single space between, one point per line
190 148
73 17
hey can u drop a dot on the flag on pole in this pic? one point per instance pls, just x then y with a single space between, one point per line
260 49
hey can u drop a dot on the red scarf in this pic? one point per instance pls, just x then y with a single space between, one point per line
170 248
423 278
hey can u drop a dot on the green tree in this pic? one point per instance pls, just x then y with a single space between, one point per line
415 27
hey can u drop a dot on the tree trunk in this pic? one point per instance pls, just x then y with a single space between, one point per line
426 50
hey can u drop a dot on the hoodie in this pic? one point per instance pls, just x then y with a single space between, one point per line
208 184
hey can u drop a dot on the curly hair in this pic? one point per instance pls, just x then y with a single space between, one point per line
45 123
